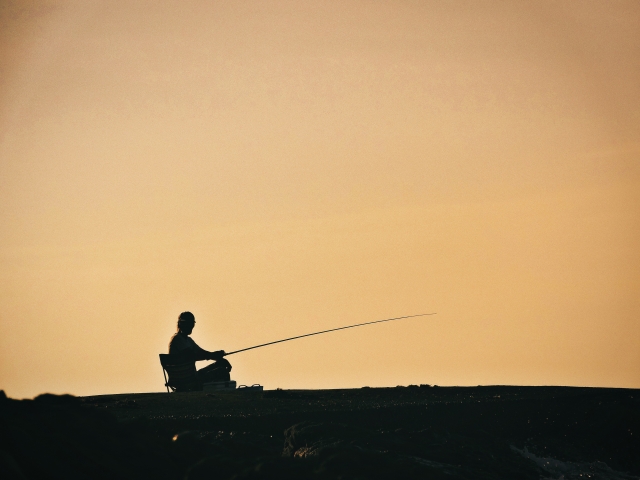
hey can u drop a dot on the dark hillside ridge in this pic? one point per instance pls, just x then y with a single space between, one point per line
496 432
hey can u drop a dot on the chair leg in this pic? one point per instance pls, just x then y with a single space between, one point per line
165 379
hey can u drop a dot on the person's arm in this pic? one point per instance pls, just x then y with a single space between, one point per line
202 354
217 355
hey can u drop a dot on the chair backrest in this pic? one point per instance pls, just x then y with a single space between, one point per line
182 373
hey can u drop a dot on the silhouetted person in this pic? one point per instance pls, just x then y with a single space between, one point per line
182 344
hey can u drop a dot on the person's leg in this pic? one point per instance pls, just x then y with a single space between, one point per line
213 375
216 372
222 364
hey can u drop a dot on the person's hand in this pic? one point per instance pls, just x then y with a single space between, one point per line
218 355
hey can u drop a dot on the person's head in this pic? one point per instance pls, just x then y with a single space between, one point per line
186 322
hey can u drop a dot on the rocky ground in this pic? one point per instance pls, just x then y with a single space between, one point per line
369 433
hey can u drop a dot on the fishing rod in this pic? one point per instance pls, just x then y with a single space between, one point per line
326 331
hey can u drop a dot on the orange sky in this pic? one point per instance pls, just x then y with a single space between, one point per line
282 167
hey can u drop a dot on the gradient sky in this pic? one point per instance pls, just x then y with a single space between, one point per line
282 167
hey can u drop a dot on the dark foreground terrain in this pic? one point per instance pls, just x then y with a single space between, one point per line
404 432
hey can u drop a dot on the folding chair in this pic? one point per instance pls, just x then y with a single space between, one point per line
181 372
